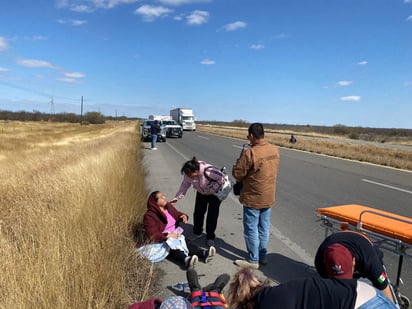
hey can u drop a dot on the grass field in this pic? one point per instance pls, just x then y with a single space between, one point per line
320 143
71 198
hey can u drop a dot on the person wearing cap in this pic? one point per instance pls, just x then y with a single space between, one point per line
247 291
154 131
344 253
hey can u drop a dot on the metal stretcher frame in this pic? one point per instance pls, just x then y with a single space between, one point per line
386 230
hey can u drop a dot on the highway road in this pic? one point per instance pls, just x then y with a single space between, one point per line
306 182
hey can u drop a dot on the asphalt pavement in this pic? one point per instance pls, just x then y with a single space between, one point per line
285 260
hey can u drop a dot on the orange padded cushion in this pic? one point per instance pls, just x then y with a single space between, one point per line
390 227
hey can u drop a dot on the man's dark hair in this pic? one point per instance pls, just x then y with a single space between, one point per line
190 167
257 130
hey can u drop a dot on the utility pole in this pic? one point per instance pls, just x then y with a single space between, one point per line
52 106
81 113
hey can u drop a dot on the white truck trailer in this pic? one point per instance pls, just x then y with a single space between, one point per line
184 117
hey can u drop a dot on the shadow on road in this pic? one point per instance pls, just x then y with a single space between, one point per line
281 268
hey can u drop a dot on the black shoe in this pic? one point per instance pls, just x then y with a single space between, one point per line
219 283
193 279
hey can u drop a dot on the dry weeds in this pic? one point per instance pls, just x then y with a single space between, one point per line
396 158
70 199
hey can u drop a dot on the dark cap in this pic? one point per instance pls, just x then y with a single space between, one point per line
338 262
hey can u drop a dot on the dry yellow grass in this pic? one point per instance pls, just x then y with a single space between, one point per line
378 155
70 198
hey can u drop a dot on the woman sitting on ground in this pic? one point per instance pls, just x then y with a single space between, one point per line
161 223
246 291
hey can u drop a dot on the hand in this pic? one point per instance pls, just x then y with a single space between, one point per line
173 201
172 235
184 218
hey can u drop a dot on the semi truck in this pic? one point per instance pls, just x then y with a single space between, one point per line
159 117
184 117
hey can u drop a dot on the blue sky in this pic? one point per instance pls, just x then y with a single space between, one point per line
301 62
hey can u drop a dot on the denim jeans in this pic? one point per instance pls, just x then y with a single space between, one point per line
256 229
379 301
154 139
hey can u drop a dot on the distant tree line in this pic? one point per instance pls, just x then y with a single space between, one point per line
364 133
88 118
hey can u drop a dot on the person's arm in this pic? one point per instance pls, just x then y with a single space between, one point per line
185 185
152 228
387 291
242 165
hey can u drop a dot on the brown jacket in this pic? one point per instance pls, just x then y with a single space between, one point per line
257 168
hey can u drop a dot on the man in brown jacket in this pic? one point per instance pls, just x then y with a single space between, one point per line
257 169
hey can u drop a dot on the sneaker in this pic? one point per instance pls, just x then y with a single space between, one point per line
154 148
192 261
246 264
209 253
221 282
263 262
181 287
210 243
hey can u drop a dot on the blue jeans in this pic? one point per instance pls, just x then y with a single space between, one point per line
379 301
256 229
154 139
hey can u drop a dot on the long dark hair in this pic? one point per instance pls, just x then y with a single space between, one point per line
190 167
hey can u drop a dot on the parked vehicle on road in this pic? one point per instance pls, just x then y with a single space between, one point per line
172 128
184 117
145 131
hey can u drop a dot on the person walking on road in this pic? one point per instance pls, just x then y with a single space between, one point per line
257 169
343 253
206 180
154 131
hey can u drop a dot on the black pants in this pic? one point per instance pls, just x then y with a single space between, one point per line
211 204
179 256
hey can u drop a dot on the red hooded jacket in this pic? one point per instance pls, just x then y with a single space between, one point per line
155 220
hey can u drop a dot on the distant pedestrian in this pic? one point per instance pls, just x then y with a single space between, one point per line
154 131
206 180
292 139
257 169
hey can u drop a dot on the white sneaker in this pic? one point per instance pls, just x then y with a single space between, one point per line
154 148
192 261
246 264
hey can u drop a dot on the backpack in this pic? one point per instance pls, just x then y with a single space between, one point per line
224 190
206 300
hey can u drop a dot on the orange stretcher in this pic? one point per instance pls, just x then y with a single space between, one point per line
386 230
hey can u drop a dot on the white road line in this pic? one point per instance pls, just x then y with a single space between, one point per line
299 251
204 137
178 152
387 186
237 146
